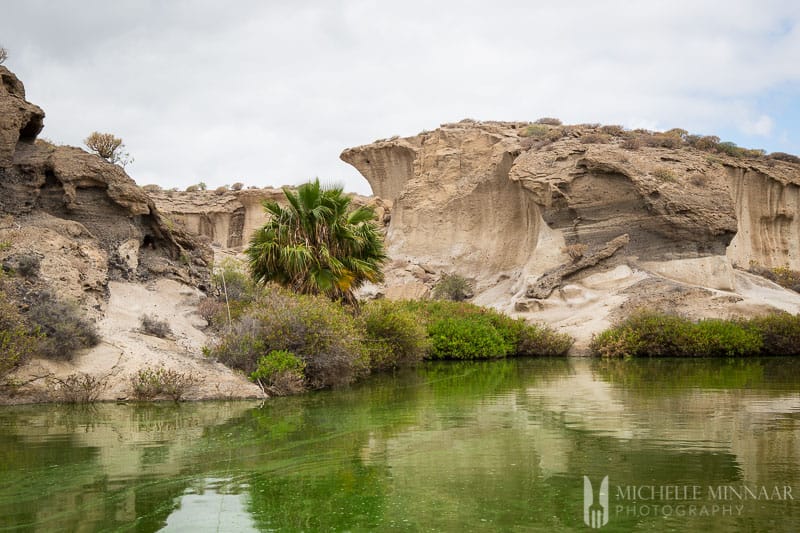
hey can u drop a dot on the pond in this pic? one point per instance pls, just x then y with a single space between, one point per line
511 445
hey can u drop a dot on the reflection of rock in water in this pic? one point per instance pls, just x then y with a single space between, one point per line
118 464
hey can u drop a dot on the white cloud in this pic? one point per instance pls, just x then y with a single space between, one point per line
270 93
761 126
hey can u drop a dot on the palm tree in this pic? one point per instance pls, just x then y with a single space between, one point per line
315 245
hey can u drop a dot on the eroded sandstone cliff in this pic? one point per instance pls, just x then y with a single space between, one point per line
572 223
83 217
77 226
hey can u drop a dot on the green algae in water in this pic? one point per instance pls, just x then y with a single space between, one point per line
465 446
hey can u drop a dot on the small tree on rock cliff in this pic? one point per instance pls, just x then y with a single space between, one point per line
317 245
3 55
108 147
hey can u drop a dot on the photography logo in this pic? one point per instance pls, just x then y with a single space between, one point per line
595 512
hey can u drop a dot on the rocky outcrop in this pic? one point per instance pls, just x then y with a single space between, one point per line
21 120
552 279
504 203
228 218
84 217
77 226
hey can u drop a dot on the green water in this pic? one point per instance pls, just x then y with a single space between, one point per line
497 446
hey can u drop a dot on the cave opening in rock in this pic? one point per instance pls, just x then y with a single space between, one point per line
149 242
29 132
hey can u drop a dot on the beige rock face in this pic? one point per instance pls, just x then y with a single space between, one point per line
767 201
21 120
484 200
41 183
88 233
228 219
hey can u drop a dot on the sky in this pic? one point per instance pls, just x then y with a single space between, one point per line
269 93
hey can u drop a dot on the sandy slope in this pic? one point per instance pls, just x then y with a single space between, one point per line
125 349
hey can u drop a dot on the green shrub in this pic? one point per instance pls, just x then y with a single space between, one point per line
494 334
321 332
731 149
783 276
649 334
232 291
725 338
464 338
281 372
536 131
150 383
64 328
780 333
231 277
18 342
453 287
394 336
537 340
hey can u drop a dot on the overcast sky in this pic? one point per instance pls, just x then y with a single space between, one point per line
269 93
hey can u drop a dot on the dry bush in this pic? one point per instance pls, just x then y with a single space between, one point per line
152 325
707 143
152 188
3 55
575 251
192 188
454 288
783 156
665 174
221 189
77 388
549 121
631 143
535 131
613 129
237 186
595 138
756 153
151 383
211 310
699 180
109 147
322 333
680 133
25 264
661 140
65 329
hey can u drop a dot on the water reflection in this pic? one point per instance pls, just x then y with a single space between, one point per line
502 445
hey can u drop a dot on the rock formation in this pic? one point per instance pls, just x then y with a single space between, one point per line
505 203
73 224
84 217
229 218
